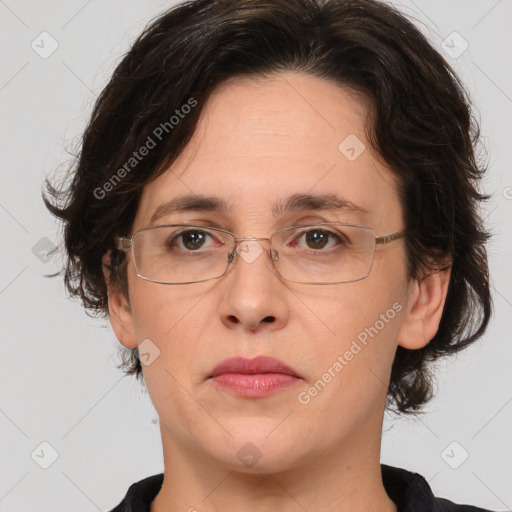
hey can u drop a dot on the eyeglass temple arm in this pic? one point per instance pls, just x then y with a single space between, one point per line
123 244
389 238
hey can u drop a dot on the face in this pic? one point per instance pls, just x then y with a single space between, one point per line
259 142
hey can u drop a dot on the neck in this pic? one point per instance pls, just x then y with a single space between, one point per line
346 478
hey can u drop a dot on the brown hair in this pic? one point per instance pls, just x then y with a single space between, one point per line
421 125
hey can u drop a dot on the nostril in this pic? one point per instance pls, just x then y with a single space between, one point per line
269 319
233 318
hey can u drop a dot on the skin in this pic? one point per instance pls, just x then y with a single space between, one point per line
259 141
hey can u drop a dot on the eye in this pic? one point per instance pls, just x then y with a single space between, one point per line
190 240
317 239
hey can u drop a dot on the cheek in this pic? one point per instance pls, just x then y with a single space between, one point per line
350 375
174 319
351 361
161 310
346 312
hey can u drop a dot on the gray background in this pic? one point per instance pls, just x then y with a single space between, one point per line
58 378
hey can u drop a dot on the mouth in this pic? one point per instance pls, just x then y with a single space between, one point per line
253 378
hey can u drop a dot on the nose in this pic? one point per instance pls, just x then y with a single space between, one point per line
255 295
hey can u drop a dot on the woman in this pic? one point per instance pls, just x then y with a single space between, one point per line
275 204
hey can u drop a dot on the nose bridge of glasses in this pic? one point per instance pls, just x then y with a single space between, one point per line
274 254
251 238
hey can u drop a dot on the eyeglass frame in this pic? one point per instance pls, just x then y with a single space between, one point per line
125 244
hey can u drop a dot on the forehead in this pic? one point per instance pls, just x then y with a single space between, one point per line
260 141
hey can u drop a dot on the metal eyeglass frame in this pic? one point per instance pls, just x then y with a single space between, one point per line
126 245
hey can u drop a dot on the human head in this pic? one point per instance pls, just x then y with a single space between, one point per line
419 124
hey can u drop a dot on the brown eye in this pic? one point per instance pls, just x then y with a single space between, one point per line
316 239
190 240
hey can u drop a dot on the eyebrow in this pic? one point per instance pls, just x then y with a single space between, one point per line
294 203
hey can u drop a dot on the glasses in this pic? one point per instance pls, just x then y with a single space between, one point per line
325 253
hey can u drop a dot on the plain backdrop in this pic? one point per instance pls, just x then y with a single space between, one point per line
58 380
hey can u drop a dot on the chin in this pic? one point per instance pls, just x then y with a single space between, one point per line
255 449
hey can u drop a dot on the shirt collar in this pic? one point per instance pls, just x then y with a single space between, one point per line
409 491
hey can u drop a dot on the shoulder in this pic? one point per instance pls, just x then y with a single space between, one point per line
412 493
140 495
444 505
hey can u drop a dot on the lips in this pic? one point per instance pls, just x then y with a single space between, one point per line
258 365
253 378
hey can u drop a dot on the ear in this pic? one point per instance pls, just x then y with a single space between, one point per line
119 310
424 309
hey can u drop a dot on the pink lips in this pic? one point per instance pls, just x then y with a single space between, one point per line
254 378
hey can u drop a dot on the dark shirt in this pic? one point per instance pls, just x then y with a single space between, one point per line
409 491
